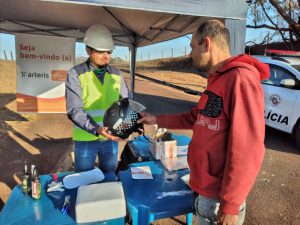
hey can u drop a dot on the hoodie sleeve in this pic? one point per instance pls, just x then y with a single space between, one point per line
246 149
178 121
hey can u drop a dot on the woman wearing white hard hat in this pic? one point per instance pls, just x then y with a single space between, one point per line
91 87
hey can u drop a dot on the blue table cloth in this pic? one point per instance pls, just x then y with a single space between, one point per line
141 195
22 209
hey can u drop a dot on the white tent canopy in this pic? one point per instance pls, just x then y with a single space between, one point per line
133 23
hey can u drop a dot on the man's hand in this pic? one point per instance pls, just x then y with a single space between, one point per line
226 219
103 131
147 118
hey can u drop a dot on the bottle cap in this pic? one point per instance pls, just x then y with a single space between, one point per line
25 168
54 177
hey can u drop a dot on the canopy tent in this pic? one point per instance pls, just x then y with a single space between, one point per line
133 23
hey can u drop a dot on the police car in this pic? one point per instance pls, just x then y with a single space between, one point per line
282 92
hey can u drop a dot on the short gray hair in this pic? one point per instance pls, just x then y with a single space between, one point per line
215 30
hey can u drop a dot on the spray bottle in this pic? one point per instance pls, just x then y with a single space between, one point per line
35 185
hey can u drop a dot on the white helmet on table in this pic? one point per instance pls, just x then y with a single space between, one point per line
99 37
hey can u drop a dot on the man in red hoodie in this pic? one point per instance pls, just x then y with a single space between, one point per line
227 146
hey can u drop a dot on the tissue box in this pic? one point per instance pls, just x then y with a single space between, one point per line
164 149
100 202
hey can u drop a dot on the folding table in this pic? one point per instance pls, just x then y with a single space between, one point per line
22 209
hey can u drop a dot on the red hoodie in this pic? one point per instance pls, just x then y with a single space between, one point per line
227 147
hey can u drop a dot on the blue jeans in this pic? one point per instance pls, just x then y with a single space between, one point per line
207 210
86 152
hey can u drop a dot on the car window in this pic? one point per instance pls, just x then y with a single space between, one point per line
297 67
277 74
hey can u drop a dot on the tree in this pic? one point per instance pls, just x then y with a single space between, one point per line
280 17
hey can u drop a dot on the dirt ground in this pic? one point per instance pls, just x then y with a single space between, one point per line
39 139
45 140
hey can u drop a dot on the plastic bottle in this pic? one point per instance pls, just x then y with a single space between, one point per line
26 187
35 185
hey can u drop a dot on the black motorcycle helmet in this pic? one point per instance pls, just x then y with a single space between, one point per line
121 119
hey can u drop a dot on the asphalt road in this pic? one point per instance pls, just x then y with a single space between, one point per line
275 197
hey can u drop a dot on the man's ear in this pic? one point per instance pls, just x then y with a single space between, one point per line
206 44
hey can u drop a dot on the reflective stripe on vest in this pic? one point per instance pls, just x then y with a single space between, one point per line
96 98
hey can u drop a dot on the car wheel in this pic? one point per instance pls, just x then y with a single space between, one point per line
297 136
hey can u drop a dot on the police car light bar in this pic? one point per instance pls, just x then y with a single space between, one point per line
273 52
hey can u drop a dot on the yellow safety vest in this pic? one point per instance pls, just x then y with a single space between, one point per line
96 98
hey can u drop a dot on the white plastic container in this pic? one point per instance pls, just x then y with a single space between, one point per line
100 202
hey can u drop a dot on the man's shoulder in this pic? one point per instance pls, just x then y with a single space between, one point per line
113 70
240 72
80 68
238 66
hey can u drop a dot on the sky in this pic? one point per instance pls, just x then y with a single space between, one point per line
179 47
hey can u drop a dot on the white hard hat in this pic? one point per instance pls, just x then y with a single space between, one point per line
99 37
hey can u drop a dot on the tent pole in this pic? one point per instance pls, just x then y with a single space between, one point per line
237 30
132 52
